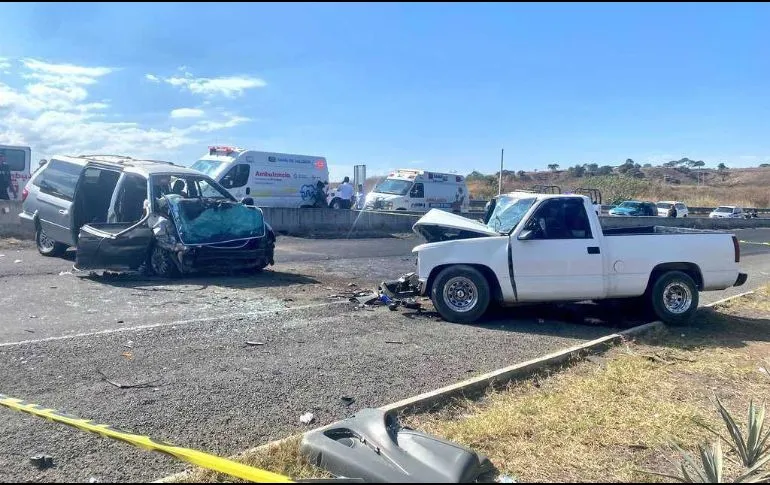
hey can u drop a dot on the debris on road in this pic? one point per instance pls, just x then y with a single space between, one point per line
393 342
348 401
42 461
127 386
17 261
62 273
254 343
307 418
29 331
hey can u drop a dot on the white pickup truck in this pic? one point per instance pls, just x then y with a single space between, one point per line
549 248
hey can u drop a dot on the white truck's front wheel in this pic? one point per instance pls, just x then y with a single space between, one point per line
675 298
460 294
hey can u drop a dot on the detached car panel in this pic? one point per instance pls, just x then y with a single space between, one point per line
117 246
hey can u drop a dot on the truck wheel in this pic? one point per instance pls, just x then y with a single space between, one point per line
675 298
162 264
460 294
47 246
336 204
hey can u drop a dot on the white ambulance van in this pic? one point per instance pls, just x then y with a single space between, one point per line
271 179
19 160
419 191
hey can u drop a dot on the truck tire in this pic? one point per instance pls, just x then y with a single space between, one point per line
47 246
460 294
161 263
336 204
674 297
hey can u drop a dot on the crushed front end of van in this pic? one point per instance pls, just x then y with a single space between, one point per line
184 235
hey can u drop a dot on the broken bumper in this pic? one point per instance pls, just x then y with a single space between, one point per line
742 277
255 253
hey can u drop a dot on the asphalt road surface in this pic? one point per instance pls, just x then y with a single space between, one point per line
59 333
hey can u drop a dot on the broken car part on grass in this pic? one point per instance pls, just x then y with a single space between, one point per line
373 446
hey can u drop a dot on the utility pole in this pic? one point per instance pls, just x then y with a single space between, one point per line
500 185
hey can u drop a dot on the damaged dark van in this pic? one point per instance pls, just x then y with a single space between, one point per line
126 214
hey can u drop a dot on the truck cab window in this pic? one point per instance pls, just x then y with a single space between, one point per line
561 219
418 191
238 176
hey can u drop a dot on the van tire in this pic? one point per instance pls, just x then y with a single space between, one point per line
453 287
161 263
674 298
47 246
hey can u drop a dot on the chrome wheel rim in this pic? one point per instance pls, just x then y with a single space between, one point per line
677 298
45 242
461 294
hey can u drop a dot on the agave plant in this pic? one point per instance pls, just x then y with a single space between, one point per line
754 452
755 447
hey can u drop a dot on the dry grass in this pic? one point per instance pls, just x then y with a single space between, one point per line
12 243
604 421
283 458
608 417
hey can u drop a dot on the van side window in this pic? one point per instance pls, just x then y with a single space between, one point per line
14 158
238 176
418 191
561 219
59 179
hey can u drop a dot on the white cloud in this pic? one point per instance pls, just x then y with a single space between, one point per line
230 86
152 78
186 113
4 63
53 114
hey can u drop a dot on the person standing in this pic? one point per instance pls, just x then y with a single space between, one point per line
345 191
360 197
672 211
5 180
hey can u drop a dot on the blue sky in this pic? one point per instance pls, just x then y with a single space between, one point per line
437 86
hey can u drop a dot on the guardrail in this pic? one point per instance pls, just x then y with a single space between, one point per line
478 205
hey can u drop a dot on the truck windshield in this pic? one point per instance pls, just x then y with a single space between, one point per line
393 186
209 167
508 213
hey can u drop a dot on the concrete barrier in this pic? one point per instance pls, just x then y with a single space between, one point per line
295 222
344 223
10 225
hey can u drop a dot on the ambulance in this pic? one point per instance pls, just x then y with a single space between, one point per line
419 191
271 179
19 160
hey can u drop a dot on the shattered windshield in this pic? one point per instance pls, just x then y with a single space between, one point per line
209 167
508 213
393 186
210 221
188 186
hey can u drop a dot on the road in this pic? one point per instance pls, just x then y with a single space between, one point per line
215 393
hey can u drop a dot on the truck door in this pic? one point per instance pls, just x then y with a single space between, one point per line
236 180
417 197
556 255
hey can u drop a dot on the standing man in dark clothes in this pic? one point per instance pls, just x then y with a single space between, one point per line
5 180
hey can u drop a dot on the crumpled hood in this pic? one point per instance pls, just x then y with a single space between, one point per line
438 225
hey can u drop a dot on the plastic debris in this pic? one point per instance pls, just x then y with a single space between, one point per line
307 418
62 273
17 261
347 401
255 343
42 461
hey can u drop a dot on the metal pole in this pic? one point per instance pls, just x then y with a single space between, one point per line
500 184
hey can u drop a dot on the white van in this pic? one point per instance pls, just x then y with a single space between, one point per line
420 191
271 179
18 159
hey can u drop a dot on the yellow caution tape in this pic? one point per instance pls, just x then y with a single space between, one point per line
203 460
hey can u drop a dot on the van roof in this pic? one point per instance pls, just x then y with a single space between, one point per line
141 166
413 173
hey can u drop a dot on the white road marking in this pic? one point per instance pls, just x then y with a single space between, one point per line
167 324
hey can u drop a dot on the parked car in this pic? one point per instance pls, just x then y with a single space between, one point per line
665 206
543 248
634 208
726 211
122 213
